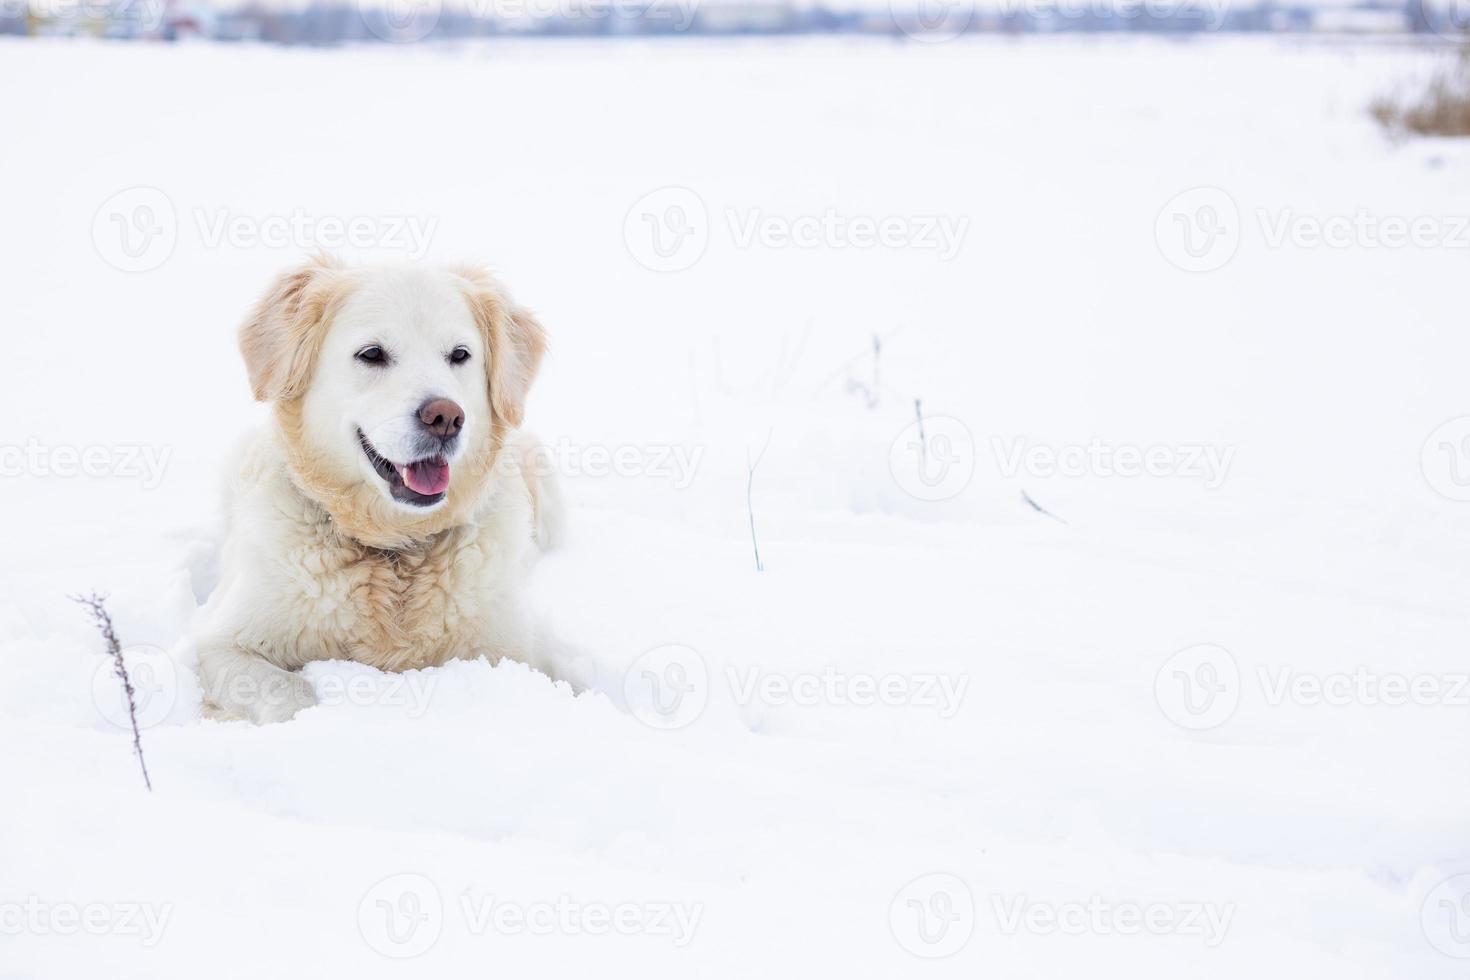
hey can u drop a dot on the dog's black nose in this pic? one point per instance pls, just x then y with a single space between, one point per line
442 417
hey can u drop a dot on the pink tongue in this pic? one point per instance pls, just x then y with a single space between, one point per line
427 476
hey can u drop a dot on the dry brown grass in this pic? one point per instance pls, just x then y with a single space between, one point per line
1443 109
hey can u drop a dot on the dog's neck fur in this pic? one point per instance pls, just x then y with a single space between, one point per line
361 512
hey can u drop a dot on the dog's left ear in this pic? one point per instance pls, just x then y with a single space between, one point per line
515 342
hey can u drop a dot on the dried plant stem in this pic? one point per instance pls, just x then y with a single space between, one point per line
1040 509
103 622
749 504
923 442
877 359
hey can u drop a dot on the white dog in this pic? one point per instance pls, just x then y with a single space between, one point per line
388 514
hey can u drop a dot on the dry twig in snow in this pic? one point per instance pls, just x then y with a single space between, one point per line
749 506
103 621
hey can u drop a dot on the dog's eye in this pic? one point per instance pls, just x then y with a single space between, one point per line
373 354
459 355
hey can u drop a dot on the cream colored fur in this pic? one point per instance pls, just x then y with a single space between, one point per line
319 562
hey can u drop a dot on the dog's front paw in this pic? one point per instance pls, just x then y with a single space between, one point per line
279 698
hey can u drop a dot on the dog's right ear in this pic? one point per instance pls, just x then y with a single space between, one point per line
280 338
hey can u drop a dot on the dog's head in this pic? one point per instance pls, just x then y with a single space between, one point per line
394 388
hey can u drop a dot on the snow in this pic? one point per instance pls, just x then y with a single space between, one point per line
966 704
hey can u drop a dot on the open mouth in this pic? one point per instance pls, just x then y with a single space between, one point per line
421 483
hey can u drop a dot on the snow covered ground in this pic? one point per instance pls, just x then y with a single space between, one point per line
1207 720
